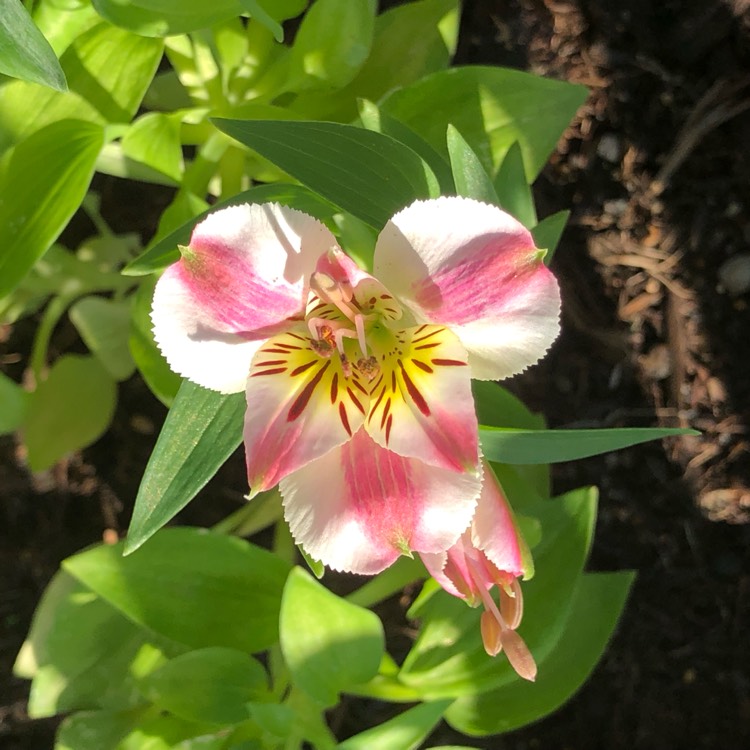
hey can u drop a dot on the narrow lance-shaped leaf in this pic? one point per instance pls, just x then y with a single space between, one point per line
407 731
42 183
552 446
203 428
548 231
369 174
24 52
472 181
513 192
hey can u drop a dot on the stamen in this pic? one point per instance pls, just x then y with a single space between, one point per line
369 367
359 324
333 292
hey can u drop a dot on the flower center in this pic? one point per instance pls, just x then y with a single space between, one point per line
351 322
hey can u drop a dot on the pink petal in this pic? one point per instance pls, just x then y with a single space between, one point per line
359 507
242 276
299 406
493 529
422 405
219 361
471 266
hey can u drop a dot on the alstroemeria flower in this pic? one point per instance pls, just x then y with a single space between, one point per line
491 553
358 386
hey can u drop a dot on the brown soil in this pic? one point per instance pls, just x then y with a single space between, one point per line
655 171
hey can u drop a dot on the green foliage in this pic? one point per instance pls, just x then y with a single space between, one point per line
202 430
71 408
597 603
153 650
43 181
332 44
191 586
328 643
212 685
492 108
13 401
551 446
24 52
368 174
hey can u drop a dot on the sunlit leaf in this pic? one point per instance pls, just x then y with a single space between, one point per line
24 52
552 446
42 183
492 108
210 684
369 174
203 428
328 643
407 731
332 44
192 586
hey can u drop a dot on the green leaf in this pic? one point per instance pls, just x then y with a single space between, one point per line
108 72
165 251
328 643
13 404
552 446
154 140
24 52
513 192
492 108
407 731
368 174
375 119
42 183
159 376
210 685
69 410
255 9
168 17
192 586
104 326
597 604
469 175
168 732
498 407
79 652
332 44
410 41
448 658
203 428
96 730
548 231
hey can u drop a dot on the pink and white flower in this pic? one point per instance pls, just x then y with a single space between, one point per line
358 385
490 553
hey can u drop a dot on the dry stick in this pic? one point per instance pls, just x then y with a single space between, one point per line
708 114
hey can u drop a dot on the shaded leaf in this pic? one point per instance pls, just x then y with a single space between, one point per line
69 410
